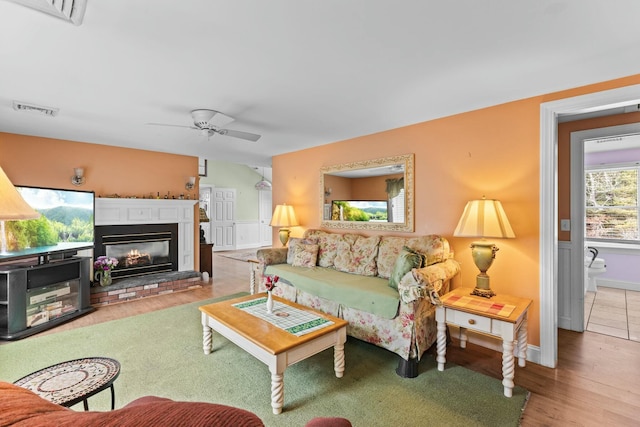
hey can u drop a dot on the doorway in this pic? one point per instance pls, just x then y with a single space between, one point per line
223 216
603 309
548 244
266 207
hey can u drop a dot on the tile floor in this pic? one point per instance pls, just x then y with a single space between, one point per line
614 312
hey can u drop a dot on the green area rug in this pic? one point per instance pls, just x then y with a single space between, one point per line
161 354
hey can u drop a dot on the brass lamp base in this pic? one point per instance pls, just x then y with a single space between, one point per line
284 236
485 293
483 254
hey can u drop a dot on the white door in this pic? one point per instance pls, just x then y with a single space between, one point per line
266 236
223 211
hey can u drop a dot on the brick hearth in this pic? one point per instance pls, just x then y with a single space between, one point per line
145 286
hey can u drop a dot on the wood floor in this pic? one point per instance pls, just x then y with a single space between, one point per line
596 383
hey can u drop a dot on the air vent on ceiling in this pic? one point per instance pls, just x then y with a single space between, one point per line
69 10
47 111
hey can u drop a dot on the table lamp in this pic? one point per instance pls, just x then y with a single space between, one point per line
12 207
483 218
285 217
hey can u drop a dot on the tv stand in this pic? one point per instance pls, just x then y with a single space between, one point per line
38 297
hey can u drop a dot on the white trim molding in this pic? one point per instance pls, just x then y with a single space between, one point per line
153 211
549 111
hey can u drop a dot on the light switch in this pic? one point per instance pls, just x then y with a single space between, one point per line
565 225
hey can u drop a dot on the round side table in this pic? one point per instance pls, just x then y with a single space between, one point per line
74 381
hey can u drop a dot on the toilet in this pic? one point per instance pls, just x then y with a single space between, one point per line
593 267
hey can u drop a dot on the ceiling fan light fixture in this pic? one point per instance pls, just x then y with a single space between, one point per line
201 118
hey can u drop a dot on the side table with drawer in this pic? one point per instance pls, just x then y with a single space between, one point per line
501 316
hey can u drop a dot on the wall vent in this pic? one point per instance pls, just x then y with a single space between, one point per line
47 111
69 10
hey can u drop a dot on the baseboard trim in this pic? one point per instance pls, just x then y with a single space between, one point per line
618 284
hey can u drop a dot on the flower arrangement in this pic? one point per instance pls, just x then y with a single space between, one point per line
270 282
103 263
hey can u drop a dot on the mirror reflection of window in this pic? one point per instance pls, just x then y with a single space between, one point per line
395 192
397 208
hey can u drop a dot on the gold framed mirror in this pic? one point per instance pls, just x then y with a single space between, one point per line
369 195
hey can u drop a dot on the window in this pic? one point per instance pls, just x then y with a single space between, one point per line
611 199
397 207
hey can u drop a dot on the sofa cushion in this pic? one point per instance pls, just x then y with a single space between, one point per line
434 248
406 261
357 254
366 293
328 245
293 243
388 251
305 255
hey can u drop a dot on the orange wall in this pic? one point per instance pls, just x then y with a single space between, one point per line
373 188
564 157
45 162
492 152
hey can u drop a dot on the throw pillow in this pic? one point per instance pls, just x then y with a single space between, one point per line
293 242
357 254
389 249
305 255
407 260
328 250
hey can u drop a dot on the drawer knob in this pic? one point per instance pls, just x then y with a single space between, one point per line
472 322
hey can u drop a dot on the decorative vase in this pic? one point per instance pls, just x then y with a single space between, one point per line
269 302
104 277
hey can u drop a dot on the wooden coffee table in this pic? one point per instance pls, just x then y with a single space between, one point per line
269 343
74 381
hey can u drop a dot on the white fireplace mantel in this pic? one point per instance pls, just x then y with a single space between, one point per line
153 211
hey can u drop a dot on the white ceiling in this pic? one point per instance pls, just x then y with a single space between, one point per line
299 72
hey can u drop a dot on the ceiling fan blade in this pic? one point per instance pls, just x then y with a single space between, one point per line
219 119
237 134
176 126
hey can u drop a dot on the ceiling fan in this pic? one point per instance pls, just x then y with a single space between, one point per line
210 122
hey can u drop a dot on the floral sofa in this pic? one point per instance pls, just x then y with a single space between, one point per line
386 287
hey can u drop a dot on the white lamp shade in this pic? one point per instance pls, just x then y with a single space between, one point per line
283 216
484 218
12 205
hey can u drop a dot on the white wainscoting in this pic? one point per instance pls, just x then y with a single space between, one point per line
247 234
564 285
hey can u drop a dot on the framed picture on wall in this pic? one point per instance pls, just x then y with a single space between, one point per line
202 166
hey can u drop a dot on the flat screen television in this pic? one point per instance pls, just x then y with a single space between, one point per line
65 226
359 210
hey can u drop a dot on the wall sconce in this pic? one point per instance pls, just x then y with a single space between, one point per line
327 191
191 183
78 177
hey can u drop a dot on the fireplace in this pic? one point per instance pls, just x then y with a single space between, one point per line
139 249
